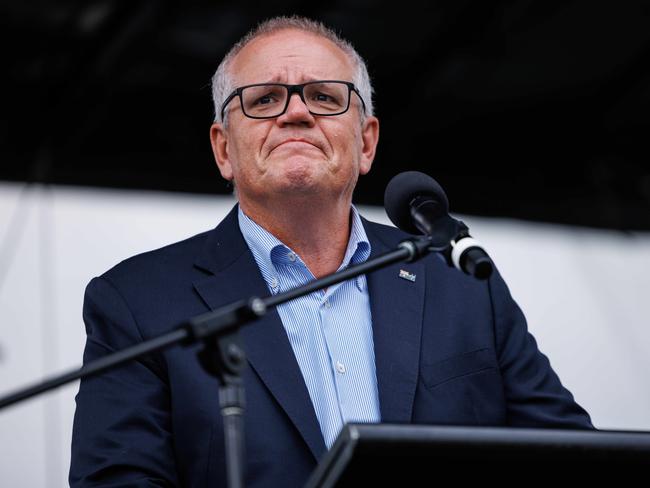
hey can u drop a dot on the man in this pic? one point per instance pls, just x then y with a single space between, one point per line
442 349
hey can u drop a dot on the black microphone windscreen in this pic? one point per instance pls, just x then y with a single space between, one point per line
402 189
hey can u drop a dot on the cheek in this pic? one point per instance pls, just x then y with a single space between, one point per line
353 145
247 144
346 142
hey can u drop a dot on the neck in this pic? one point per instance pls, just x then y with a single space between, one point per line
317 231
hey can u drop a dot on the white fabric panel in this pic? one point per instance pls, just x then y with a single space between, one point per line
585 293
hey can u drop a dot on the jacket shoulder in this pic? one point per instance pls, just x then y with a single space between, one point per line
164 263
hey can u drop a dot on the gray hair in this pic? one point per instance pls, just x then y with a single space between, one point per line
222 84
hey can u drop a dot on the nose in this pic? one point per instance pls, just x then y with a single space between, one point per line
296 113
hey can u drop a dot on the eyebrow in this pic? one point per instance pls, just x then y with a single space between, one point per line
306 79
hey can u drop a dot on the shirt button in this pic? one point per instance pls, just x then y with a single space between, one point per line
328 303
274 283
291 256
340 367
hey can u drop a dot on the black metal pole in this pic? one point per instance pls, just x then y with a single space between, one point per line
98 366
222 356
218 321
232 411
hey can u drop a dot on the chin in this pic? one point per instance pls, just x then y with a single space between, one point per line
301 172
299 182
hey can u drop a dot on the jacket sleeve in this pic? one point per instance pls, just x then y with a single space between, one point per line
122 432
534 394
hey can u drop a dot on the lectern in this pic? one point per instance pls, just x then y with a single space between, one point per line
412 455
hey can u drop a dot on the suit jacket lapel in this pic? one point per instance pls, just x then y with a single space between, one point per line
236 276
397 307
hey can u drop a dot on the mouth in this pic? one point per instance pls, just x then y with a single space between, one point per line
296 144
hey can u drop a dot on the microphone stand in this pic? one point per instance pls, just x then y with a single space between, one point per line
222 355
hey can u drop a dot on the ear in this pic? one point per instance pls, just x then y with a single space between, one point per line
219 141
369 139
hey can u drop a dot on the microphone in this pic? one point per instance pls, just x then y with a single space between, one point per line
417 204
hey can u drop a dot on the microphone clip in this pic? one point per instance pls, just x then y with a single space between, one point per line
450 237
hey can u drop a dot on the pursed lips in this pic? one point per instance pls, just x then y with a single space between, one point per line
297 142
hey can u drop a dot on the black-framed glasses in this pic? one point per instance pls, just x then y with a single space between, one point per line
269 100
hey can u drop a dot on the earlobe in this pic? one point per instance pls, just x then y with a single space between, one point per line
219 141
369 139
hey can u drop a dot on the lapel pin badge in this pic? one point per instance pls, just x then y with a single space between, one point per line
406 275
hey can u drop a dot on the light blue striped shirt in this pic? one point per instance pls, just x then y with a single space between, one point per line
330 331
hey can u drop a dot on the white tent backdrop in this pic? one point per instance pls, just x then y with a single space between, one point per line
586 294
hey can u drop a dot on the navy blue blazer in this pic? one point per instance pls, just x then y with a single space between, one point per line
450 350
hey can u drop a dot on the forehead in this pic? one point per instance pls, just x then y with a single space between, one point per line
290 56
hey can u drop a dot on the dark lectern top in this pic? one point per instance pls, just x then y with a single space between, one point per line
414 455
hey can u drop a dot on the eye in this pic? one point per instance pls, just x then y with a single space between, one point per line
265 99
323 97
326 97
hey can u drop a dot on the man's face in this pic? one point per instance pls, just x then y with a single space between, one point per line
296 153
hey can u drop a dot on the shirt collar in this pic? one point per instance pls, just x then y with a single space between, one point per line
269 252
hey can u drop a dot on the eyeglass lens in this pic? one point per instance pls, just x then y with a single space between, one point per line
269 100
